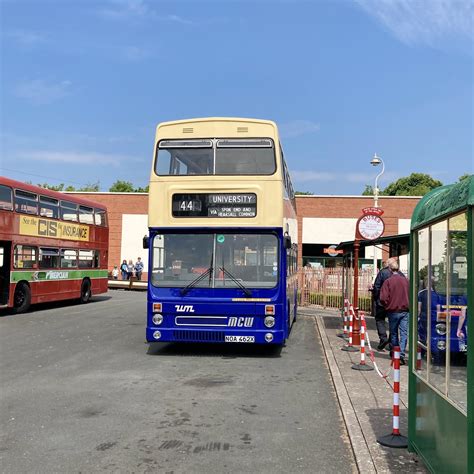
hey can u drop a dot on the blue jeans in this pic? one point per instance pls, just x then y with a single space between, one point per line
399 322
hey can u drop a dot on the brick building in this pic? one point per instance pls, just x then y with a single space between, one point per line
322 221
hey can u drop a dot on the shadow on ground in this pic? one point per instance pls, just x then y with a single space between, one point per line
226 351
398 459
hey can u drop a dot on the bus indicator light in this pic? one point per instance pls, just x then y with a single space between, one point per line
157 307
269 310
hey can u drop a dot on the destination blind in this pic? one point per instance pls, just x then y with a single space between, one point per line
215 205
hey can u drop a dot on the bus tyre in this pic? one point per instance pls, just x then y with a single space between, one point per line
22 298
86 292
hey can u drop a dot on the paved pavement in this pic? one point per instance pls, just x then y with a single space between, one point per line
365 398
82 392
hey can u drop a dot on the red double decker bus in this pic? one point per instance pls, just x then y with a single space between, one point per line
53 246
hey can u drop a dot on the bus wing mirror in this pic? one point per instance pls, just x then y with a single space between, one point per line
287 241
146 242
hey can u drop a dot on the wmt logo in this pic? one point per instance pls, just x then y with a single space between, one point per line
181 308
240 322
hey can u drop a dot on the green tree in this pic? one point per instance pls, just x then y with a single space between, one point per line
368 191
91 187
464 176
417 184
142 190
52 187
122 187
303 193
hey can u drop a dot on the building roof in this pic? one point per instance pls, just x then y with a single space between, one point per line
443 201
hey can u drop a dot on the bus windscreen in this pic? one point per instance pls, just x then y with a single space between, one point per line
251 259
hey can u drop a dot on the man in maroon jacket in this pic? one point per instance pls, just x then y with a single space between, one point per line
394 298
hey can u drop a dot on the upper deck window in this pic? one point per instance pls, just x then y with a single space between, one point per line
6 198
86 215
49 207
216 157
69 211
26 202
100 217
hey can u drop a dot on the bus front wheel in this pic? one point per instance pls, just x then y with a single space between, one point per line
86 292
22 298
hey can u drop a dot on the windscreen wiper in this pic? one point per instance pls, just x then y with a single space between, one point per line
235 280
200 277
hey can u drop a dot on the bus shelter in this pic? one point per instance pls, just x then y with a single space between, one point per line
395 245
441 369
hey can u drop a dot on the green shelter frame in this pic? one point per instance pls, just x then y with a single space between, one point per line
441 369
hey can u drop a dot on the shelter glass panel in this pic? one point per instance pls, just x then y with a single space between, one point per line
457 309
438 296
423 291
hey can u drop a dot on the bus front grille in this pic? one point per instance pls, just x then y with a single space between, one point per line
198 336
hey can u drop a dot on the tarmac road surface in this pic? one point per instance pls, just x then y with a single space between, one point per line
82 392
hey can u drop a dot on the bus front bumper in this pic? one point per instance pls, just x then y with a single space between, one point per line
183 334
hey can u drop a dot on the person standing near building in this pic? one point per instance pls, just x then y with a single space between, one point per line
139 268
124 270
394 298
380 313
130 268
115 273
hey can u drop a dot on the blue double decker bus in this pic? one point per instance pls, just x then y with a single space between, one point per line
222 234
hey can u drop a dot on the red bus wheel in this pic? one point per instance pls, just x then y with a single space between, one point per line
22 298
86 292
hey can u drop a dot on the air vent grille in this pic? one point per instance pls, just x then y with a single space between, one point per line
188 130
242 129
198 336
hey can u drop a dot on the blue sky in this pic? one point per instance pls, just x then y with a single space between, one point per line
84 83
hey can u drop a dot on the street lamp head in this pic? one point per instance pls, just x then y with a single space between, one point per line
375 160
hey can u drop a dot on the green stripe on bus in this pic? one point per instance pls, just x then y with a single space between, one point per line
52 275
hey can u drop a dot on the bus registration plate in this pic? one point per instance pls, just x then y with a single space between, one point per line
240 339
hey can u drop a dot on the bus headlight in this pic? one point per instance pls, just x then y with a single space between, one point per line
441 329
269 337
157 335
269 321
441 345
157 319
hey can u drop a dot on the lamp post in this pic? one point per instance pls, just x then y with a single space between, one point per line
376 161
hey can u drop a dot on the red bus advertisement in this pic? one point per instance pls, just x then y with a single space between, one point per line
53 246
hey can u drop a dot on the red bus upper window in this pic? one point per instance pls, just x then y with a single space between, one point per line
26 202
100 217
49 207
69 211
86 215
6 201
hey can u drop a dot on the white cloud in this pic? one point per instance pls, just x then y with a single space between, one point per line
40 91
138 10
75 157
123 9
423 21
296 128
